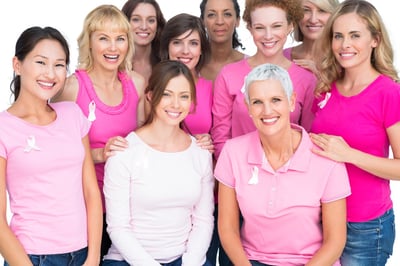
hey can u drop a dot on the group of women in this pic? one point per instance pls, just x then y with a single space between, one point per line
201 152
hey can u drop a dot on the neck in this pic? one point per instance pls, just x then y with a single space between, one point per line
278 152
304 50
278 59
142 53
222 52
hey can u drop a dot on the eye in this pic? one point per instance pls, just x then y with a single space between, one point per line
121 39
135 19
256 101
166 94
60 65
152 20
102 38
195 43
337 36
276 100
40 62
185 96
355 36
277 26
176 42
228 14
210 15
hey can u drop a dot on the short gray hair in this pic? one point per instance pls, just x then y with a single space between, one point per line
265 72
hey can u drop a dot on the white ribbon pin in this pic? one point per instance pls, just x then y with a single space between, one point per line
92 110
254 176
31 144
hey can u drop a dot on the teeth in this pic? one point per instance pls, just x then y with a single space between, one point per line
269 44
269 120
47 84
346 54
174 114
184 60
111 56
143 34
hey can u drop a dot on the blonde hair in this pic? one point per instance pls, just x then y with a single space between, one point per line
382 55
328 6
99 19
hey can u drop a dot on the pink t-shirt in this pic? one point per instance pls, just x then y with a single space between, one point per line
287 52
281 209
230 114
109 121
44 180
362 121
199 122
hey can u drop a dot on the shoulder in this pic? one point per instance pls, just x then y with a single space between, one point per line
235 66
70 90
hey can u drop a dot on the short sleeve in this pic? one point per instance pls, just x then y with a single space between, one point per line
337 185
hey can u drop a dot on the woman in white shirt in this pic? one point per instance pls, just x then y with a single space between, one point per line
159 191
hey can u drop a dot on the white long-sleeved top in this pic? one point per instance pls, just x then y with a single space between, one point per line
159 205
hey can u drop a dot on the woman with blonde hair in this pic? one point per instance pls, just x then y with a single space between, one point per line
104 86
308 30
359 86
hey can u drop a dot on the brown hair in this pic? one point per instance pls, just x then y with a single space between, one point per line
162 73
180 24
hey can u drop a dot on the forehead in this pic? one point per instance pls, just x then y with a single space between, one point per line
349 22
189 34
48 48
178 84
144 9
265 87
219 4
268 14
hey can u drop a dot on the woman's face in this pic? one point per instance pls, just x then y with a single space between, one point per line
108 47
43 71
175 103
269 28
269 106
314 20
186 48
352 42
144 24
220 20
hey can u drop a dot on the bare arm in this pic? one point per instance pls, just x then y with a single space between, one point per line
140 84
334 233
229 227
10 248
94 209
337 149
69 92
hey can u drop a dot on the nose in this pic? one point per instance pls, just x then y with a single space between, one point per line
50 71
143 24
175 101
220 19
314 16
346 42
185 48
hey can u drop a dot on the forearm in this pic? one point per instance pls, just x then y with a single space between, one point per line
232 245
383 167
11 249
95 224
98 155
327 254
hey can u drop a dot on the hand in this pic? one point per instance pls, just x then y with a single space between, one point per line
114 144
307 64
332 147
205 142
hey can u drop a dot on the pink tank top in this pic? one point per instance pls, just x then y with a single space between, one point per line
107 121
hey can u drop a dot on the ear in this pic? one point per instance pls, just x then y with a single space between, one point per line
375 42
148 96
292 102
16 65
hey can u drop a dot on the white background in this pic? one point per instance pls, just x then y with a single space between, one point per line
68 16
